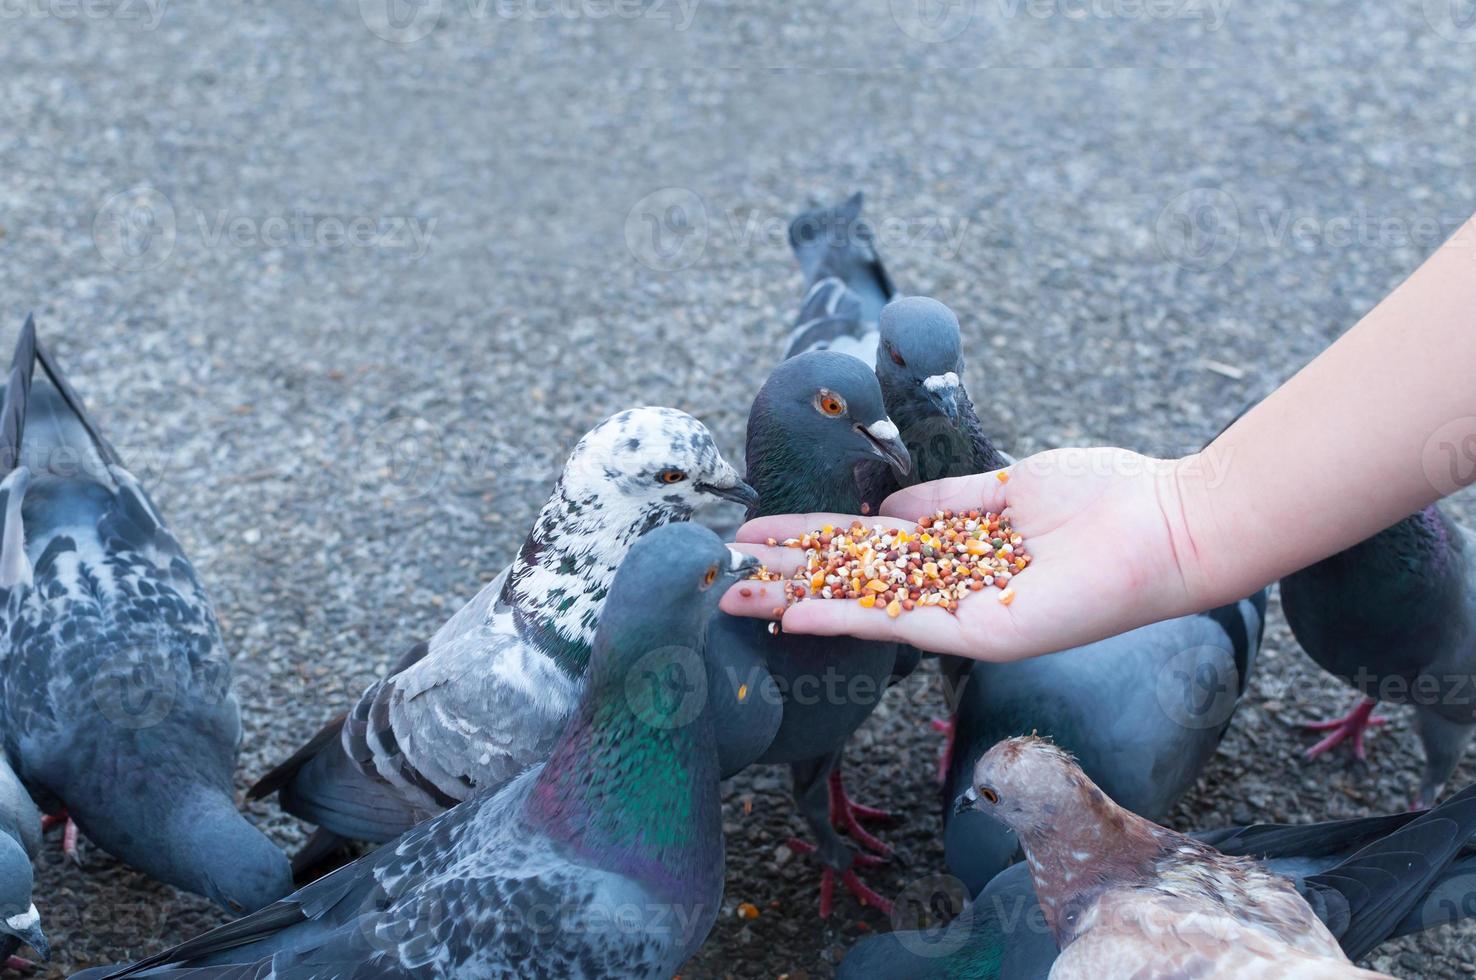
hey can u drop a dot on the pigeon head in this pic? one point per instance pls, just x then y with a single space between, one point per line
817 416
217 853
18 916
920 358
637 470
833 241
665 591
658 460
1027 782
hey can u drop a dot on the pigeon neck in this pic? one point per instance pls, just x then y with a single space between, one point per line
938 448
789 478
1080 851
558 583
633 780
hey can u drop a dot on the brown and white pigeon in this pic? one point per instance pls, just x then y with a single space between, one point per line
1124 896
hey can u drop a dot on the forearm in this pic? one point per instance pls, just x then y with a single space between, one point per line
1378 426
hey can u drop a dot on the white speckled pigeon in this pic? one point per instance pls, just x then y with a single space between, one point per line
606 861
817 416
490 692
1369 880
1395 616
846 282
1117 889
114 685
20 839
1142 711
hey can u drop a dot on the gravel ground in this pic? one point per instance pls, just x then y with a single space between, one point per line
1146 214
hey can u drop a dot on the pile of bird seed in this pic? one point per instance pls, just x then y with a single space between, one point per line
947 557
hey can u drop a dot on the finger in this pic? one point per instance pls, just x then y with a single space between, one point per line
782 526
753 598
985 491
927 628
784 561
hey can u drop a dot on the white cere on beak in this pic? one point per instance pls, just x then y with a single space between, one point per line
736 559
24 921
883 429
940 381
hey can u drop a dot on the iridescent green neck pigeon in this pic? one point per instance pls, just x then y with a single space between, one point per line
115 688
489 693
1369 880
605 861
817 416
1395 616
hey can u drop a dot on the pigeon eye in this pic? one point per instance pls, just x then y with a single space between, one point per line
710 577
988 795
829 403
671 476
896 357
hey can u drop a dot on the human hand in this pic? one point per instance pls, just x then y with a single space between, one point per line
1101 526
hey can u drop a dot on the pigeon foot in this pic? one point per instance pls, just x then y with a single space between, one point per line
69 834
1354 726
948 729
19 964
863 893
847 815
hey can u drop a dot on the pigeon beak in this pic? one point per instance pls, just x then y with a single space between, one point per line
738 493
967 800
887 444
741 564
26 927
946 392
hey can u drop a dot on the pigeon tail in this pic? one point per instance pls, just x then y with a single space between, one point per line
1395 884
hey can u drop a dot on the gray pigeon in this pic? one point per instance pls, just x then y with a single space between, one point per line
1116 888
489 693
846 283
1369 880
817 416
115 696
606 861
1142 711
1395 616
20 839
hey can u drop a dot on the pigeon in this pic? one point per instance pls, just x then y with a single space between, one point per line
846 283
115 687
1116 888
489 693
20 839
1368 879
817 416
606 860
1143 712
1395 616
